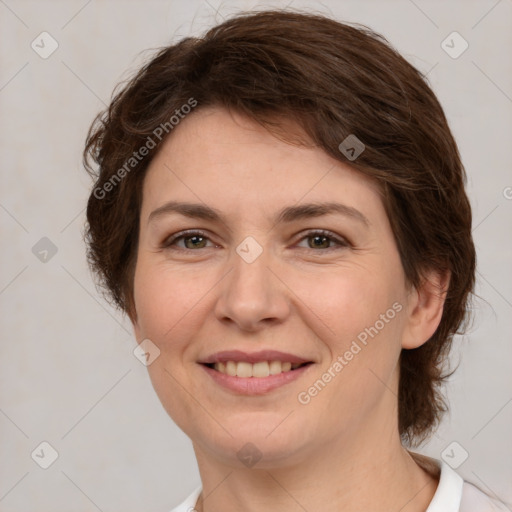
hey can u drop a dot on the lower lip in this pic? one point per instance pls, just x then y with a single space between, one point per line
255 385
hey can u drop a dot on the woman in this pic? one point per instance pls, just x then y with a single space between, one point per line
280 210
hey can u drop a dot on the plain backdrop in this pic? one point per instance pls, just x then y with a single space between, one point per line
68 375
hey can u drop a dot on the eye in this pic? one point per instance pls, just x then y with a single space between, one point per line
323 240
193 240
189 240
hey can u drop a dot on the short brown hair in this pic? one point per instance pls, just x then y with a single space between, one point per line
334 80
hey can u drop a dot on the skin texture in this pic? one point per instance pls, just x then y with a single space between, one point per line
340 451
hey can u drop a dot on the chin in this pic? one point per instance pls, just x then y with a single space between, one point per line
257 441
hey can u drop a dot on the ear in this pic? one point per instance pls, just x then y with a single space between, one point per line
425 309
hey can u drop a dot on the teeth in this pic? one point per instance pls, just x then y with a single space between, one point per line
244 369
230 368
260 369
275 367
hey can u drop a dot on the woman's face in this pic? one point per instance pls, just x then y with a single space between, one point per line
254 254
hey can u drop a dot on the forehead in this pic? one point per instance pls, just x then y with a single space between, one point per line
230 161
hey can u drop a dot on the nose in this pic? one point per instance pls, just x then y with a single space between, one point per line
252 296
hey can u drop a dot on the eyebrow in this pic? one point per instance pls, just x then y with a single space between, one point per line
286 215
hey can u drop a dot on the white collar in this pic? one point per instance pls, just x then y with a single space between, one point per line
449 490
446 498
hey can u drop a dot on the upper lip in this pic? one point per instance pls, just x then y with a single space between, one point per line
253 357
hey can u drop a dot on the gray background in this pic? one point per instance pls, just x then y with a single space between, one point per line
68 374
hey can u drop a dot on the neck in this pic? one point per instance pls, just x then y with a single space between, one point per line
381 477
364 469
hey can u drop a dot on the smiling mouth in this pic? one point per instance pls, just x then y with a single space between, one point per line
260 369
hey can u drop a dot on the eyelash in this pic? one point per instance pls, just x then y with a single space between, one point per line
341 242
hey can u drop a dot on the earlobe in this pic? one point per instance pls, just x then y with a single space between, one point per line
425 309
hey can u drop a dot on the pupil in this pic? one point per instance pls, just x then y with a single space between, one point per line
195 241
320 241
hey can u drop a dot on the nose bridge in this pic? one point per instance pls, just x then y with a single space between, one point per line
251 295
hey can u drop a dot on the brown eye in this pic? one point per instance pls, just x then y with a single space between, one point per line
194 242
191 240
323 240
319 242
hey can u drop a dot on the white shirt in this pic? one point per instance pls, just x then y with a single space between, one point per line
453 494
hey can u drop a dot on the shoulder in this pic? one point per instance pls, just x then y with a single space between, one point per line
189 504
453 494
474 500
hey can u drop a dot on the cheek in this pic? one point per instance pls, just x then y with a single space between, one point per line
169 303
348 301
360 316
364 312
160 298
